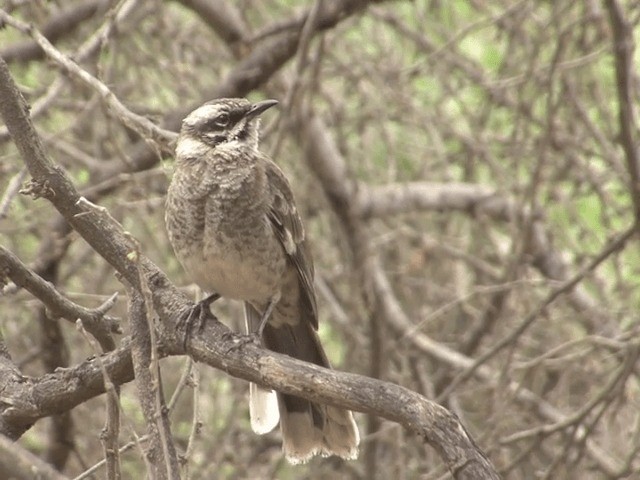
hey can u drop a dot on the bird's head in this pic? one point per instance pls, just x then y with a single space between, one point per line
225 122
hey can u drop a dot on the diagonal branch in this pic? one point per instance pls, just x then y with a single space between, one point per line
20 464
145 127
59 25
95 320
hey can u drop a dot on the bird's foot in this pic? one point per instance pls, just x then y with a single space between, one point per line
194 318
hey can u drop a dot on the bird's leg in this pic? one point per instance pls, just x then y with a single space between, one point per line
256 336
203 307
196 316
265 316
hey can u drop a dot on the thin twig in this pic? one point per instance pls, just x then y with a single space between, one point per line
95 320
12 190
612 247
110 434
147 129
125 448
196 422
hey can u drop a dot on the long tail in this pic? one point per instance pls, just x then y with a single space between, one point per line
308 428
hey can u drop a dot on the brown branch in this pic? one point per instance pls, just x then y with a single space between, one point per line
109 436
18 463
162 451
623 55
60 25
100 325
140 124
26 400
217 347
439 427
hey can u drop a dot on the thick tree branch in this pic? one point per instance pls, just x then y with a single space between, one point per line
439 427
26 400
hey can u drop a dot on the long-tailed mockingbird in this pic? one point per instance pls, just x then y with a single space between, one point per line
233 223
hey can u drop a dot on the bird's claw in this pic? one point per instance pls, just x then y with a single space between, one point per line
194 318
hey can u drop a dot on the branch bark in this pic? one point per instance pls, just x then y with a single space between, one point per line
161 453
623 46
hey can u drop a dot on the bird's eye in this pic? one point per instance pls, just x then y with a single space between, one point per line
222 120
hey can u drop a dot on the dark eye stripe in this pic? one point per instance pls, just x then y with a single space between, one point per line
215 125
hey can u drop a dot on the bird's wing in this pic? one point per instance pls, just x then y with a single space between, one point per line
288 227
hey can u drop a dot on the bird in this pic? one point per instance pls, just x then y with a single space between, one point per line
232 220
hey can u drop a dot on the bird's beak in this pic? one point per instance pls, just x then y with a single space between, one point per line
257 108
